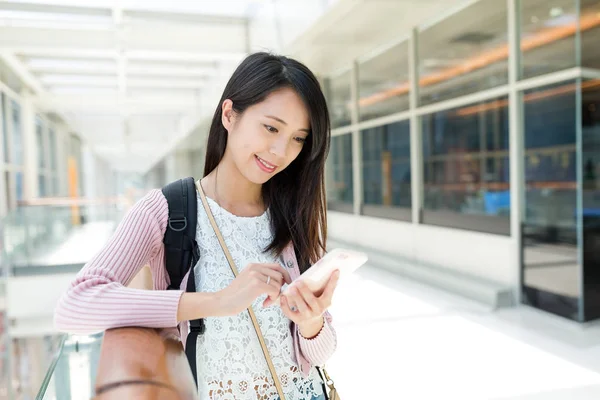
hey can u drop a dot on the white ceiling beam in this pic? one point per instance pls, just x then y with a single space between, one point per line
23 73
178 18
131 54
54 9
175 56
64 52
90 70
133 15
78 80
166 83
174 70
101 103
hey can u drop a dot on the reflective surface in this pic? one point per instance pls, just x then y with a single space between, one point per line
590 33
337 92
4 116
464 53
550 245
386 168
339 170
17 138
548 31
465 155
72 372
591 197
36 236
384 86
41 148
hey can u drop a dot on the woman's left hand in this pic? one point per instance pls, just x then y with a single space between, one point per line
306 308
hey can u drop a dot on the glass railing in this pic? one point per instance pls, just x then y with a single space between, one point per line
122 363
34 235
72 373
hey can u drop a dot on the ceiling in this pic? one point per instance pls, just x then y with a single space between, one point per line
134 77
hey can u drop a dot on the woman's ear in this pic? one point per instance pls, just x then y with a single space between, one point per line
227 114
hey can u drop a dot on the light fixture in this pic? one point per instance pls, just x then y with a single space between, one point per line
556 11
81 65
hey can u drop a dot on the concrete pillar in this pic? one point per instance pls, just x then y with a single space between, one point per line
30 170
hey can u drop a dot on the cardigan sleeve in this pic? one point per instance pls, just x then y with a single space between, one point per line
98 298
318 350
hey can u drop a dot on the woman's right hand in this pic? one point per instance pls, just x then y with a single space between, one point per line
250 284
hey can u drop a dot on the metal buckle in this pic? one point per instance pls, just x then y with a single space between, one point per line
177 221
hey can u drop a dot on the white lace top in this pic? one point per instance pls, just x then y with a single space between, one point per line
230 361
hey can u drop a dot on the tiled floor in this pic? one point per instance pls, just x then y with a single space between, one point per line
402 340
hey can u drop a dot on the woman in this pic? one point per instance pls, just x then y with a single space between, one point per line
264 179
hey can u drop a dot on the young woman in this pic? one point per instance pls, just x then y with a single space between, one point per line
264 179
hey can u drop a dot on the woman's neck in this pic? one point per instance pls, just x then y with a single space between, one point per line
232 191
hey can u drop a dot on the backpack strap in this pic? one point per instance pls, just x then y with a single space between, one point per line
181 249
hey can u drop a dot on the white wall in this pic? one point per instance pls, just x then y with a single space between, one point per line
31 301
478 254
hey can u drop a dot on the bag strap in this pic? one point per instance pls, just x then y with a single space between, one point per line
236 273
181 250
180 234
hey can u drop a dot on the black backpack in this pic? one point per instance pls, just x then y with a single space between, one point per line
181 250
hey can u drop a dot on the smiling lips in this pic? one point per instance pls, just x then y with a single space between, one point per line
265 165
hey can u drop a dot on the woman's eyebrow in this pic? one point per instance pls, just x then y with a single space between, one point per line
285 123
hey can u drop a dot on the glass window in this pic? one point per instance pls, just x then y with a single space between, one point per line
41 186
9 193
550 260
19 185
52 146
55 186
386 170
384 83
547 36
340 194
466 168
17 143
39 135
464 53
590 33
4 127
591 197
339 100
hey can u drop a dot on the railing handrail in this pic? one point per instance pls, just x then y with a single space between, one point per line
73 201
51 369
142 363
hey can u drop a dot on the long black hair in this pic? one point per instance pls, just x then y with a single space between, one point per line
296 195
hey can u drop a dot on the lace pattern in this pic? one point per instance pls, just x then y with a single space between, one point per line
230 361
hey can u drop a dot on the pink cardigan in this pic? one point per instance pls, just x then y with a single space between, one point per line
98 298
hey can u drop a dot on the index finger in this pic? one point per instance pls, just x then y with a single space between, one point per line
286 275
331 284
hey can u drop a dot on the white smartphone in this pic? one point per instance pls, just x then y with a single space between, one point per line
346 261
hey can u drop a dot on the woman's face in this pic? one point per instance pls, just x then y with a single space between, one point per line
268 136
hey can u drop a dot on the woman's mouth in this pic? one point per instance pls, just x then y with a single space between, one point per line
265 165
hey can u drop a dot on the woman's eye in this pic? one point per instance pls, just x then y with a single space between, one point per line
300 139
271 129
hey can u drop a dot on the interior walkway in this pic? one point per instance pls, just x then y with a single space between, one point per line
402 340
